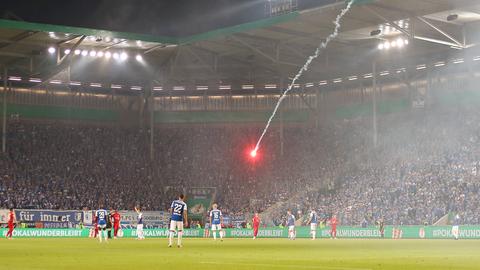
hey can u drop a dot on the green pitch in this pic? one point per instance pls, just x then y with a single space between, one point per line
231 254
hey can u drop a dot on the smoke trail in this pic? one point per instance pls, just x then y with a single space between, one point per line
323 45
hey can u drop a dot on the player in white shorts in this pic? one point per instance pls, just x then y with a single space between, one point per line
216 220
140 235
291 225
179 215
313 221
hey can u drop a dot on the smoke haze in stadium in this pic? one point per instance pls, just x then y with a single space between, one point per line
157 17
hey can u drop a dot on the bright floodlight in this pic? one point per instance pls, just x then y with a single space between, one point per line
400 42
394 44
67 51
387 45
93 53
253 153
100 54
139 57
77 52
123 56
380 46
108 55
406 41
116 56
52 50
108 39
84 53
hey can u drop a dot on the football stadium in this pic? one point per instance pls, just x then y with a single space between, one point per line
227 134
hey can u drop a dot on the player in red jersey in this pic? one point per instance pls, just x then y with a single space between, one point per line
11 223
116 223
333 226
95 227
256 225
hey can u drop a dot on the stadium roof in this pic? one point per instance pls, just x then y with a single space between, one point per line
268 51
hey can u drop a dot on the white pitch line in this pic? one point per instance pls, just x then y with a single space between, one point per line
287 266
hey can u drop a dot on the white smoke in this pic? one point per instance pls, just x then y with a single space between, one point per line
322 46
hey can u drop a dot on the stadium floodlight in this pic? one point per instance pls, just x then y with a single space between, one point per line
139 57
84 53
386 45
52 50
14 78
100 54
35 80
108 39
77 52
93 53
123 56
67 51
115 40
338 80
116 56
108 55
381 46
422 66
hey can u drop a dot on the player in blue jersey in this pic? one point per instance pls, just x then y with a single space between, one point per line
101 214
178 210
140 235
313 221
291 225
216 220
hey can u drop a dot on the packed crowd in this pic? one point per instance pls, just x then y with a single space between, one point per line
423 167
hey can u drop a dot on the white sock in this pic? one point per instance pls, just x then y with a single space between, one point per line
105 234
221 234
180 234
214 235
100 236
170 238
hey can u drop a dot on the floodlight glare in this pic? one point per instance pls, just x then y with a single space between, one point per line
380 46
93 53
139 57
116 56
123 56
400 42
100 54
84 53
67 51
108 55
52 50
77 52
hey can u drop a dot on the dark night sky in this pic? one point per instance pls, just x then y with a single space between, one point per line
157 17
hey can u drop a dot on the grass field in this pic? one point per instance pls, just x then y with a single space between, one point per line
323 254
